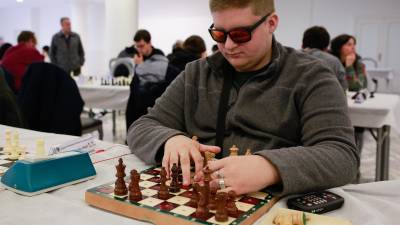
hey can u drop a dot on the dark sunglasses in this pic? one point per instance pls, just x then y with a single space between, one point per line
237 35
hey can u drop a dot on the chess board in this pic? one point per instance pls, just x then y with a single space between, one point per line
5 162
176 209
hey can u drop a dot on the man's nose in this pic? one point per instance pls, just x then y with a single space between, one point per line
229 44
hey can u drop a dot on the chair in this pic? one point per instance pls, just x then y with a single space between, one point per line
90 124
9 111
121 67
50 100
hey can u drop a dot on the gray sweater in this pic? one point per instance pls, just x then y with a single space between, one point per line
295 115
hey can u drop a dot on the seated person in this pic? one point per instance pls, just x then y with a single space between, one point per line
19 57
150 63
315 42
10 114
194 48
344 48
255 93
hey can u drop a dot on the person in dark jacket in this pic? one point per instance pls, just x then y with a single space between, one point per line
66 49
193 48
3 48
50 100
10 114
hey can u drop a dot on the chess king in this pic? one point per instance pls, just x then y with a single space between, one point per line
255 93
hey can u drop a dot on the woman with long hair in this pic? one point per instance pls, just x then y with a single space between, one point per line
344 48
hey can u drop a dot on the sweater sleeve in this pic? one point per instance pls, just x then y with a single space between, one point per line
147 135
328 155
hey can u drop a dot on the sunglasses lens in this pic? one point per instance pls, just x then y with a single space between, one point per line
218 36
240 35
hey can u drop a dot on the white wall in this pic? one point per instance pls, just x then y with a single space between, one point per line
177 19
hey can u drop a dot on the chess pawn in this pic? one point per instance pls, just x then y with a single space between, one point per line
194 198
120 189
134 190
211 202
230 205
221 215
174 186
234 151
14 155
201 210
163 193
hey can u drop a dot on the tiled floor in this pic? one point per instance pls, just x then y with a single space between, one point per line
367 156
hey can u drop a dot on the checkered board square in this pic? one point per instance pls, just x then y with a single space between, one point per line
177 208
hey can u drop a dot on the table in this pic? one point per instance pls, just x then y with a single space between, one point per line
98 96
365 204
104 97
377 114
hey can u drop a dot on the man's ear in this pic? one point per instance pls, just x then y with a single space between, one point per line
273 21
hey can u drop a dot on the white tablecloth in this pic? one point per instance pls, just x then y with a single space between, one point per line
383 109
366 204
104 97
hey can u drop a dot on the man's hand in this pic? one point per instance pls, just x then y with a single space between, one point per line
138 59
350 59
242 174
183 149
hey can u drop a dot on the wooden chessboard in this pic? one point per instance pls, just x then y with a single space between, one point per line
176 209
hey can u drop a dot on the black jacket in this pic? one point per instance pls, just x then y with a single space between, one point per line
180 58
50 100
9 111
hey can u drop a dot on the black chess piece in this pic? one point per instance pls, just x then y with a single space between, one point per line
120 189
174 186
163 192
134 190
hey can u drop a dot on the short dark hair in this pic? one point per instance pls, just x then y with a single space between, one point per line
194 44
46 48
26 36
316 37
3 48
142 35
63 19
214 48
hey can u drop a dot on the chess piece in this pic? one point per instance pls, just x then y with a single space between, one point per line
120 190
40 150
23 153
8 145
134 189
230 205
201 210
174 186
211 201
163 193
234 150
221 215
194 198
207 178
248 152
14 155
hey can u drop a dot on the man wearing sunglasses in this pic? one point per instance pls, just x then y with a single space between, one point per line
254 93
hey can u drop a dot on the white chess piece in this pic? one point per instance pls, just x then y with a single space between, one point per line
40 150
7 147
14 155
23 150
